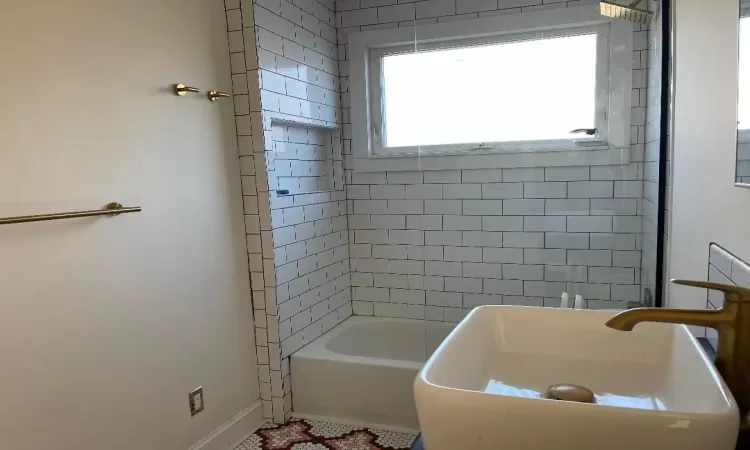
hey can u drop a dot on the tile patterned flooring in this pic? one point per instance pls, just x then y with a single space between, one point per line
300 434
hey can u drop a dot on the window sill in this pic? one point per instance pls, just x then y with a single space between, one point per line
497 159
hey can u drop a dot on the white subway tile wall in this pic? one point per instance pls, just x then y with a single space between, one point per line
726 268
286 87
501 236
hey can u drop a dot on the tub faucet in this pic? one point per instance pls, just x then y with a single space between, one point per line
732 323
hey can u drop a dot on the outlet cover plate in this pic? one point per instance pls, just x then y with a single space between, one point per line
196 401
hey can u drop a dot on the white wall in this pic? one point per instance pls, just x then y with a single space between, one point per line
706 207
107 324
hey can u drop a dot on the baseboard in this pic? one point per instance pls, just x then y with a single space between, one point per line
234 431
356 423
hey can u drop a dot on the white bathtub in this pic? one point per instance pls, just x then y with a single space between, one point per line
363 370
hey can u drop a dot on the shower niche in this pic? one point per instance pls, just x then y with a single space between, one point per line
306 158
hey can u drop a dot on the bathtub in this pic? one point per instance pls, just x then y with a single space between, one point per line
363 370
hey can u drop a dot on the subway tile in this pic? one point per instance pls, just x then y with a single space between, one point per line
503 255
566 207
614 207
502 190
740 273
446 299
627 292
566 173
605 241
425 252
523 240
502 223
543 288
406 267
471 6
523 272
358 17
443 238
409 237
627 224
617 275
397 310
442 268
590 258
545 190
462 191
622 172
404 206
409 296
482 176
483 207
388 191
629 189
424 222
542 256
467 254
389 251
462 223
566 240
519 300
589 224
443 207
435 8
476 300
523 174
442 177
388 221
523 207
482 239
589 290
566 273
396 13
626 259
466 285
424 191
504 287
721 259
482 270
544 223
590 189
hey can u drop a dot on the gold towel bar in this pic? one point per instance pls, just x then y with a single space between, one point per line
112 209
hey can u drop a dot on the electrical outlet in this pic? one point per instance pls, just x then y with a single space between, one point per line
196 401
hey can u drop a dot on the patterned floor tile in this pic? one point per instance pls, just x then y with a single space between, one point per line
318 435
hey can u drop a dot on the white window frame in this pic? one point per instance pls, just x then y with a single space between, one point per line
743 134
614 75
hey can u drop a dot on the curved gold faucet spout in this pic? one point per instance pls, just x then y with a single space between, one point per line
626 320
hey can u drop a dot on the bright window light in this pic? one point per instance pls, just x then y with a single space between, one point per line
529 90
744 100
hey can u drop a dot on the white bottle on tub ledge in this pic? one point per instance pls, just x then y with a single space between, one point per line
579 302
565 303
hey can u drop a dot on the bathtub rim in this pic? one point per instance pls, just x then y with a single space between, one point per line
318 348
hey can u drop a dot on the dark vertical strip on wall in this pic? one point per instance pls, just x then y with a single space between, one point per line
666 17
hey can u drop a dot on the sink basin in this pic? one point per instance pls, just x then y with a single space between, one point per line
485 387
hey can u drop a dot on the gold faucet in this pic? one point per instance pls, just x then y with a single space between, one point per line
732 322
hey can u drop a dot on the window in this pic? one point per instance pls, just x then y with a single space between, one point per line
485 95
743 123
508 84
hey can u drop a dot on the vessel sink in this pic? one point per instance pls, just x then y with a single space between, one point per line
485 387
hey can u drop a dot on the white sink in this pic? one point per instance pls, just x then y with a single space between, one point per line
483 388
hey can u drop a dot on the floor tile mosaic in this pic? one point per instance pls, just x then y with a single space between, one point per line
318 435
